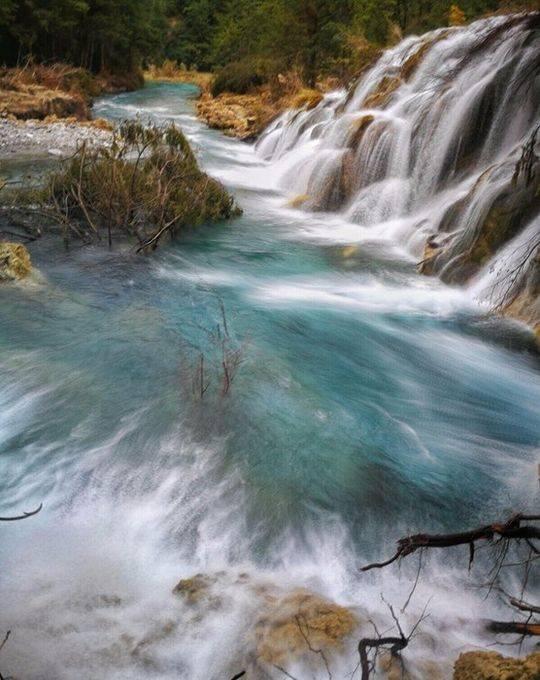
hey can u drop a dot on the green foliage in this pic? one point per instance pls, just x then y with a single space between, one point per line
101 35
147 184
313 37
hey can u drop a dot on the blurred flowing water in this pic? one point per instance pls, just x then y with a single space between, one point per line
370 402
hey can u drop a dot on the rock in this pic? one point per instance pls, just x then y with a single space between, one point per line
395 668
306 99
196 588
15 262
382 93
410 65
277 623
524 304
494 666
298 618
358 128
298 201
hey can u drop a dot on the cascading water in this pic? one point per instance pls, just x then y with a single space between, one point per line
426 142
370 401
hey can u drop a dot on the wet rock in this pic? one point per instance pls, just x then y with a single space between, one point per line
299 620
411 64
15 262
524 304
493 666
196 588
392 667
382 93
306 99
278 626
298 201
358 129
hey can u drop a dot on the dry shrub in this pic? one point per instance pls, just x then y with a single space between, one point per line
146 184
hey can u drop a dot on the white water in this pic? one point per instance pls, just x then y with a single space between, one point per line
372 402
452 130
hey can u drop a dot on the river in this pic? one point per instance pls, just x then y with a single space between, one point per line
368 401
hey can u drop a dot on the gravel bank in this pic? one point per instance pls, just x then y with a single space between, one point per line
34 137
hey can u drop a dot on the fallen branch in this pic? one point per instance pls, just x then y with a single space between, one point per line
512 529
516 627
23 516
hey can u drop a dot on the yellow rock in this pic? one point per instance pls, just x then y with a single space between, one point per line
349 251
15 262
380 96
298 619
493 666
307 99
298 201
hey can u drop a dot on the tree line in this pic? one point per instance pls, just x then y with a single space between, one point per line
316 37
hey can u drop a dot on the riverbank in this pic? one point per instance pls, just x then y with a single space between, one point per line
38 91
52 136
245 116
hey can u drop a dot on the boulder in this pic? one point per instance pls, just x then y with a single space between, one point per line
297 621
493 666
15 262
379 97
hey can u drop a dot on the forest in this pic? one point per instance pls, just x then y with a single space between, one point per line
317 37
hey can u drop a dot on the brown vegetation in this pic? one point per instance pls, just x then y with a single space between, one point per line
170 70
493 666
36 91
15 262
145 184
246 115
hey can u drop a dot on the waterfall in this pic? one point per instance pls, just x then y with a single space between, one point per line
423 148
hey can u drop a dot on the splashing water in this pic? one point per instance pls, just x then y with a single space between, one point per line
370 401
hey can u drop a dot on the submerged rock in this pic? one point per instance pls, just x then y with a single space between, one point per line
279 626
493 666
15 262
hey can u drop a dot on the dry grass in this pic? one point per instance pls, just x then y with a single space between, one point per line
171 71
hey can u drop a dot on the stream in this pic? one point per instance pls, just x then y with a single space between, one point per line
367 401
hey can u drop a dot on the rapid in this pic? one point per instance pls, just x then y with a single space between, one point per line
368 401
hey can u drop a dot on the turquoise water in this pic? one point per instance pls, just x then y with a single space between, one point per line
369 401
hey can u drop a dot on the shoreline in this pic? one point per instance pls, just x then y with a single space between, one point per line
49 138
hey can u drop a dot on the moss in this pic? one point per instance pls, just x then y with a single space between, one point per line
280 637
493 666
298 201
382 93
306 99
15 262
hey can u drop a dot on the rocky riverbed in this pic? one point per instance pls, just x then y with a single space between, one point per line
56 137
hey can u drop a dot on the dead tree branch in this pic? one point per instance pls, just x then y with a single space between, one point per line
23 516
513 529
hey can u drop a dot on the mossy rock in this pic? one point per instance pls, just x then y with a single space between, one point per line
381 95
307 99
15 262
493 666
281 635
